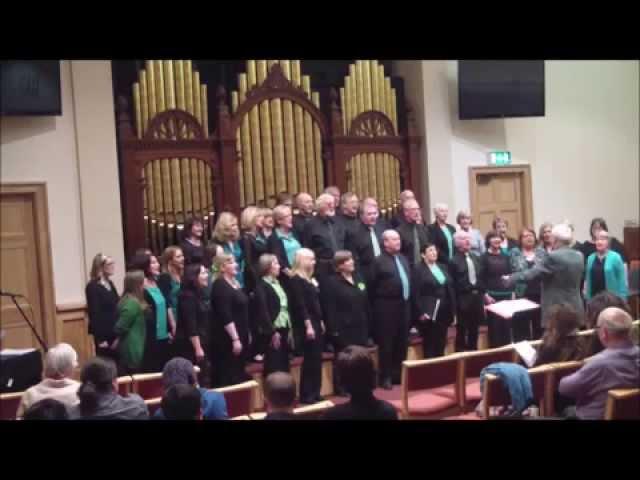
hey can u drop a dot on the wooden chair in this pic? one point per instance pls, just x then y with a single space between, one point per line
153 404
242 417
240 397
430 388
557 373
9 403
623 404
305 412
148 385
472 364
125 385
495 393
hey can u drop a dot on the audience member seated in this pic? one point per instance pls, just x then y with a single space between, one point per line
47 409
357 374
59 363
99 399
561 342
279 396
595 306
617 366
182 402
180 371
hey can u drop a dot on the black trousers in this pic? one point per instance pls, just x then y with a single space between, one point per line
105 352
470 313
434 335
311 376
392 330
157 354
277 360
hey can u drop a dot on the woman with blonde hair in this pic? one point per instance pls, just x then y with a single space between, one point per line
227 234
102 305
267 225
230 338
307 316
131 325
172 263
465 222
251 245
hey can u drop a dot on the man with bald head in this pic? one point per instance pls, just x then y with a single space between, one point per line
304 206
389 291
617 366
441 233
413 232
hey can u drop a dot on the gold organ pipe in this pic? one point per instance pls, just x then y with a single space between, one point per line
286 68
151 90
290 147
144 105
394 110
317 140
137 109
299 132
205 110
245 141
343 110
256 150
309 145
251 74
267 148
295 72
180 94
187 67
278 145
261 71
234 108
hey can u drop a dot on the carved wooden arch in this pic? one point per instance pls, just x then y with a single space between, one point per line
372 123
174 125
277 85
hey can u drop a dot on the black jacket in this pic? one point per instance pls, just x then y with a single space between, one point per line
348 311
439 239
316 237
348 223
460 274
275 246
194 319
385 279
102 306
299 223
359 244
427 291
406 235
192 253
265 307
252 249
305 303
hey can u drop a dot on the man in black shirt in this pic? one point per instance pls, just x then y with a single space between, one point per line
324 236
365 240
465 270
279 396
413 232
355 368
348 214
389 291
304 205
398 219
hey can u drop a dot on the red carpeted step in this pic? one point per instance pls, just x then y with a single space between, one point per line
473 394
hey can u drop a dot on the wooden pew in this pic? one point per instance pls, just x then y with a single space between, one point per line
623 404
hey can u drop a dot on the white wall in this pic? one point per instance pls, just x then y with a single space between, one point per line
583 153
63 151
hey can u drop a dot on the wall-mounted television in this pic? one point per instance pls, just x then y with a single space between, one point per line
30 87
500 88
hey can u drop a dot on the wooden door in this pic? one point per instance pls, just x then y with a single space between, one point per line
501 192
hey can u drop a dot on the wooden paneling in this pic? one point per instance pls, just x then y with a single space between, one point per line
72 321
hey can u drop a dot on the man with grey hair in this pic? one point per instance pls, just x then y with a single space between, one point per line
304 207
59 363
398 219
617 366
334 191
413 232
561 273
441 233
389 291
465 268
348 213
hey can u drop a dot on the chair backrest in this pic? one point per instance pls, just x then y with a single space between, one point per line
496 394
153 404
312 412
148 385
125 385
239 397
242 417
9 403
431 373
623 404
558 372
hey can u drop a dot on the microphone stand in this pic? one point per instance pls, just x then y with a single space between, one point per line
33 329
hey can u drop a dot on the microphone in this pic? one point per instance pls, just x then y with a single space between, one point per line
9 294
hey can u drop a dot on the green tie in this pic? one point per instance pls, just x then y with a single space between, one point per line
416 244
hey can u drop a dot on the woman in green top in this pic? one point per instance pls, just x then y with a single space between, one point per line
130 327
433 301
160 325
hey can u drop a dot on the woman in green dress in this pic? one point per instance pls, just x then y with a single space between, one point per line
130 327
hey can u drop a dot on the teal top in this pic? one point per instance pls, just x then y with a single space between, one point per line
291 244
614 276
162 331
236 251
449 237
437 272
282 320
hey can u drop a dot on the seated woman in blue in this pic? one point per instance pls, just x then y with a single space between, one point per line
605 270
227 234
180 371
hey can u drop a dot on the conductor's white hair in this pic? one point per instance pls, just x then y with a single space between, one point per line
562 232
60 360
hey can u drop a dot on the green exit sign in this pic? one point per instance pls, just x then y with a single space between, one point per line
500 158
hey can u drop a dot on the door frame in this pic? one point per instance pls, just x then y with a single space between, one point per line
37 191
527 195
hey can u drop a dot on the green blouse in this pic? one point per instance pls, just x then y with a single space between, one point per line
282 320
131 329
